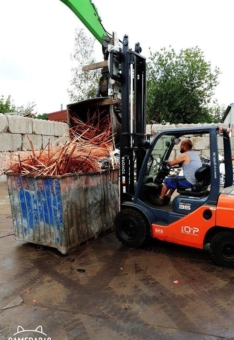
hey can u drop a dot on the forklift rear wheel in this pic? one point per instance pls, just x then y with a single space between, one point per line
131 228
222 249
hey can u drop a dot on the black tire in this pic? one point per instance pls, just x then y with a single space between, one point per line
131 228
222 249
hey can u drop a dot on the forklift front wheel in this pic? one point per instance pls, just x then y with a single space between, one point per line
222 249
131 228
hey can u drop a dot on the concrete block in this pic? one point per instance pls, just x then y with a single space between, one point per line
154 129
3 178
159 127
171 126
36 140
172 155
60 129
18 124
162 127
3 123
148 129
55 141
62 140
43 127
5 160
10 142
167 127
205 153
50 128
220 143
38 126
57 129
179 125
200 143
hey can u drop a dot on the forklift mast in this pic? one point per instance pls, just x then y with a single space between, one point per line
129 68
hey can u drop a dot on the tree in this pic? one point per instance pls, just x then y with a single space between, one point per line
43 116
6 105
180 86
84 83
26 111
217 112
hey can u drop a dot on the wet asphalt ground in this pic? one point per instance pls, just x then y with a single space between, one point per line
106 291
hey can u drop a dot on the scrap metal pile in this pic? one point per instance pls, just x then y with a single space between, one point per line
90 147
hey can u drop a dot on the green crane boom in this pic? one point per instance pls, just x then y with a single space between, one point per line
86 11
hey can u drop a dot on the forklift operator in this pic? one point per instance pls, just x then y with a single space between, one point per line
190 163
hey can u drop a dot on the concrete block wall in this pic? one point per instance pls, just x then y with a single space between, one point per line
201 144
15 132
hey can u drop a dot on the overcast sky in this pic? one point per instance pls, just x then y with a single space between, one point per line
37 39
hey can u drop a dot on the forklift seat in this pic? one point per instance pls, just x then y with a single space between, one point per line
199 189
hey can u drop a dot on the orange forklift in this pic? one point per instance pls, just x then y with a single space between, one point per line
196 217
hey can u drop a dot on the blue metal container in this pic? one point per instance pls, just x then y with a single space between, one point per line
63 211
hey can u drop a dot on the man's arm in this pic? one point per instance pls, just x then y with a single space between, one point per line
184 157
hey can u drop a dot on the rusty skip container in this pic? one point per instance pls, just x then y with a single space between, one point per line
63 211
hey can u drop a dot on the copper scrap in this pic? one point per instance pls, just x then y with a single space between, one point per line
96 126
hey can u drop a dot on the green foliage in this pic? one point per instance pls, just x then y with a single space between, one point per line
217 112
84 83
26 111
180 86
43 116
6 105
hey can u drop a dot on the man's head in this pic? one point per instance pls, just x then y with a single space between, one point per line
186 145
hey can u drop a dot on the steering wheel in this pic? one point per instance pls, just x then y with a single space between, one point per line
163 171
165 166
